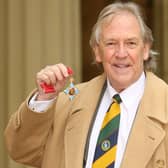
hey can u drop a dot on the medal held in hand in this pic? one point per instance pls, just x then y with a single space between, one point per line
71 90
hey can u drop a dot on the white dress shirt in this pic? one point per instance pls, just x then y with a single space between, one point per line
130 100
39 106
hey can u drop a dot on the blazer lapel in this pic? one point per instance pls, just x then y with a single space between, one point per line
147 132
143 141
79 123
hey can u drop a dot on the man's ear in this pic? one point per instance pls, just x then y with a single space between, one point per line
146 51
97 53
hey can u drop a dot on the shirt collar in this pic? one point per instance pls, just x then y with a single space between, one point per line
130 95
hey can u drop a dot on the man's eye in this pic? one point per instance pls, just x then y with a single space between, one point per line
110 43
131 44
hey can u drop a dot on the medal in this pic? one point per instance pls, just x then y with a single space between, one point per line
71 90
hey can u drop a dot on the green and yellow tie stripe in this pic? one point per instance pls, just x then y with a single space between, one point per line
105 152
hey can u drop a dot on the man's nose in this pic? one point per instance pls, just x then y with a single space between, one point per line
121 51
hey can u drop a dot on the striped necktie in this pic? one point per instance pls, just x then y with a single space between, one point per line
105 152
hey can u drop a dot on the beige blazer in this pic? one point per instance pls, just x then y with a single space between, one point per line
57 137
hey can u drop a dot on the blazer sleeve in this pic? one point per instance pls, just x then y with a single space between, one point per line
26 134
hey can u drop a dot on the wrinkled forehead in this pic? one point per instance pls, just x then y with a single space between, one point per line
107 19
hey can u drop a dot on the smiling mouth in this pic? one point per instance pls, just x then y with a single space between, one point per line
121 69
121 66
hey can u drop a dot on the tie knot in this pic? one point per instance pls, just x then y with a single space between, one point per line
117 98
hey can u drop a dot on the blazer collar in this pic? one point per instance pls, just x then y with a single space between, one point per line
154 99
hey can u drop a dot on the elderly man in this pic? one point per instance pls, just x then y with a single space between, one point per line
116 120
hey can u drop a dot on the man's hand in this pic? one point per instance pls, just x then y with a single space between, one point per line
53 76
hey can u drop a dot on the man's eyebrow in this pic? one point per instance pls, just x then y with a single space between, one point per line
132 38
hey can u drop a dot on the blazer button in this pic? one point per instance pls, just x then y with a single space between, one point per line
160 163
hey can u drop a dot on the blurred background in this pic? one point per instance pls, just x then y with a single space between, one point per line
36 33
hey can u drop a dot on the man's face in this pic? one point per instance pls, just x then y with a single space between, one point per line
121 50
